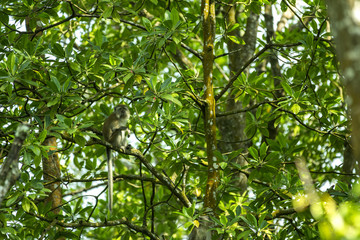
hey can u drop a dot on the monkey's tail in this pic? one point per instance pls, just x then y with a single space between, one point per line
110 179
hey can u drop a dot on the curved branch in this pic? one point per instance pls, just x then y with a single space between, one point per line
223 114
331 132
159 175
118 222
251 60
166 181
117 177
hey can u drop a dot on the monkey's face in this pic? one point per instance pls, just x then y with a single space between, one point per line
122 111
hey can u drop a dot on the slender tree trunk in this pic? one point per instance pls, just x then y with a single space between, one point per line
210 200
51 171
208 12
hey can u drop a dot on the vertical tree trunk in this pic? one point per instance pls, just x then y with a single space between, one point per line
210 200
51 170
347 39
208 13
232 127
274 63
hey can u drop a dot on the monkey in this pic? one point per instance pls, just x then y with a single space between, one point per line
115 132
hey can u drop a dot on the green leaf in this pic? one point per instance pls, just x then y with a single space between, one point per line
295 108
254 152
107 12
264 131
42 135
12 63
233 221
86 125
184 211
252 220
238 210
246 221
24 65
167 15
12 199
99 38
262 220
75 66
283 6
287 88
219 156
35 84
116 17
223 165
244 235
161 43
258 113
233 27
147 24
188 224
234 39
67 85
174 16
58 50
3 219
26 204
263 150
61 118
127 77
35 149
52 102
79 140
91 165
250 130
223 220
27 158
172 99
69 48
37 184
282 140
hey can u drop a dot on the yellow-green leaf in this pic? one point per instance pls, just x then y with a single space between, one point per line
295 108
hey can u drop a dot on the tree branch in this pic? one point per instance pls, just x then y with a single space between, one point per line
251 60
118 222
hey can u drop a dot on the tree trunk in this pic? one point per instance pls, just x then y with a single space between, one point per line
51 171
347 38
232 127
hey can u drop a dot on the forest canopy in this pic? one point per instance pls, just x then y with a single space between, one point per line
245 119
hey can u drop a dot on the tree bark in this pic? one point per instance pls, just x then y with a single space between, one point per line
232 127
10 171
347 39
51 171
210 201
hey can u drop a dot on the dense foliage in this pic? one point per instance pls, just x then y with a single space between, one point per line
66 64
